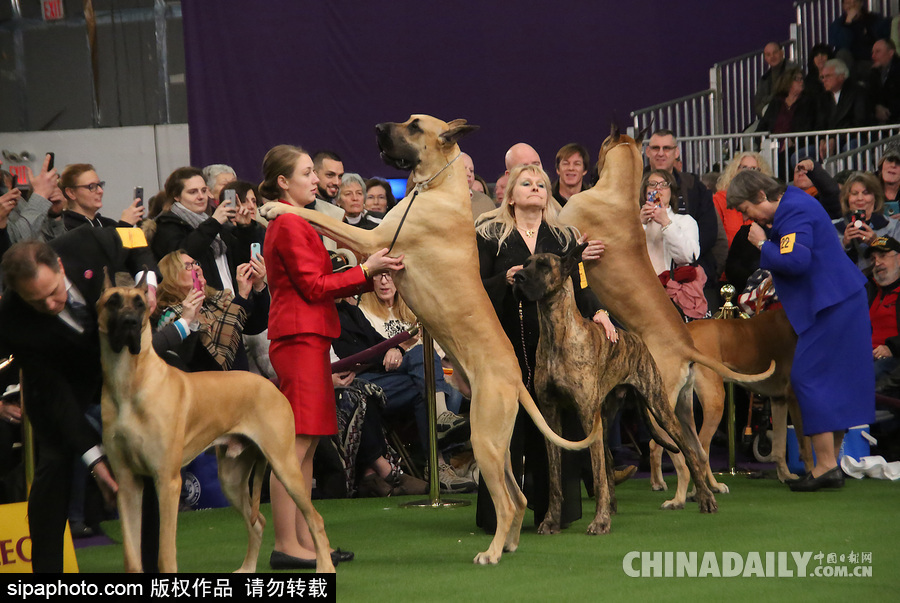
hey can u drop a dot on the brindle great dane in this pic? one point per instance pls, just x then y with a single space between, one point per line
628 287
577 367
156 419
442 285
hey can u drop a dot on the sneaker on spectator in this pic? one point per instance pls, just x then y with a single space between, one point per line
452 483
451 425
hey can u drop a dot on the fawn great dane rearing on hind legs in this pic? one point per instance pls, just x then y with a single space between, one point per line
432 228
628 287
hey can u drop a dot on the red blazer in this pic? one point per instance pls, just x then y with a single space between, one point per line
301 283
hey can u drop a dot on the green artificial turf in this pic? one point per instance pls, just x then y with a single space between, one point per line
425 554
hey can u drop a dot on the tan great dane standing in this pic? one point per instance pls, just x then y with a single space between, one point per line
156 419
628 287
442 285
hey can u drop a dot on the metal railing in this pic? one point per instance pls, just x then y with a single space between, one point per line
735 82
691 115
856 149
815 16
727 106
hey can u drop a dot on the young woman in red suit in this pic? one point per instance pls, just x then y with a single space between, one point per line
302 323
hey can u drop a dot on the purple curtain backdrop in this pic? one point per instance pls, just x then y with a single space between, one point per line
321 74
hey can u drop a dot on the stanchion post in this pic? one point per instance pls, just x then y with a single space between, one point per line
434 481
729 310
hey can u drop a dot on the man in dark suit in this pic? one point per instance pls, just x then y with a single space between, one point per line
48 320
884 83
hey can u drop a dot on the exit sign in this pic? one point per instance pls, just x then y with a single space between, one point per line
52 10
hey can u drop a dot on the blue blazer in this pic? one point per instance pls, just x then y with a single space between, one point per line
810 269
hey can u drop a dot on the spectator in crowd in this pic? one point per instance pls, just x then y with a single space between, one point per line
818 56
379 198
222 317
825 301
187 226
673 241
791 110
884 83
862 204
521 153
773 54
853 33
500 189
480 201
526 219
884 305
732 220
83 190
889 171
812 179
572 163
352 199
695 200
302 322
217 176
40 215
481 186
844 105
247 229
400 371
329 168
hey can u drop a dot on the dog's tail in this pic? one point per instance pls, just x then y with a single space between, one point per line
534 412
648 413
713 364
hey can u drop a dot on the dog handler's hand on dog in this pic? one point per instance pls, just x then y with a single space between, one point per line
602 319
593 251
104 478
380 262
511 273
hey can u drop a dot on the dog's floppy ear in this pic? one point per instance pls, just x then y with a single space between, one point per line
456 129
571 258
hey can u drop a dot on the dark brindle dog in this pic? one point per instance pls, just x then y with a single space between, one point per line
156 419
576 366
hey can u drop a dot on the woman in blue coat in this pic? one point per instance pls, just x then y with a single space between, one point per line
824 296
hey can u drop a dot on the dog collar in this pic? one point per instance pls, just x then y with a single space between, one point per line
420 186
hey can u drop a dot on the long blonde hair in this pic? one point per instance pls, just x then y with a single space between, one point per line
371 304
501 222
735 165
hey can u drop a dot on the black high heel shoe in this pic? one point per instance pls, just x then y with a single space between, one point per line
833 478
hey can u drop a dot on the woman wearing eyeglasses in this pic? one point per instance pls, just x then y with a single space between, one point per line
211 321
83 191
673 240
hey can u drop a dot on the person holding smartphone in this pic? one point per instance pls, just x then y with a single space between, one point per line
83 190
186 225
862 205
221 318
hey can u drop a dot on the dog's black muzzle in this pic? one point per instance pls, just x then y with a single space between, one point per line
395 151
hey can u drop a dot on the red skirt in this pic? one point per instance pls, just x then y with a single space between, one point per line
303 367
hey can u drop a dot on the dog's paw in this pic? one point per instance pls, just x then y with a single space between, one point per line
720 488
708 504
485 559
659 487
599 526
672 505
786 475
548 527
272 210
